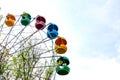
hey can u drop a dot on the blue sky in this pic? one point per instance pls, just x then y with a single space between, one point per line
91 27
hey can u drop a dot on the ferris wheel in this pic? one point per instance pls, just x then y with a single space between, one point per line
31 49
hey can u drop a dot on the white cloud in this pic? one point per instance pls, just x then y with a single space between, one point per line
83 68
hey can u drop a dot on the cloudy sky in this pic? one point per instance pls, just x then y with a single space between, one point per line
91 27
